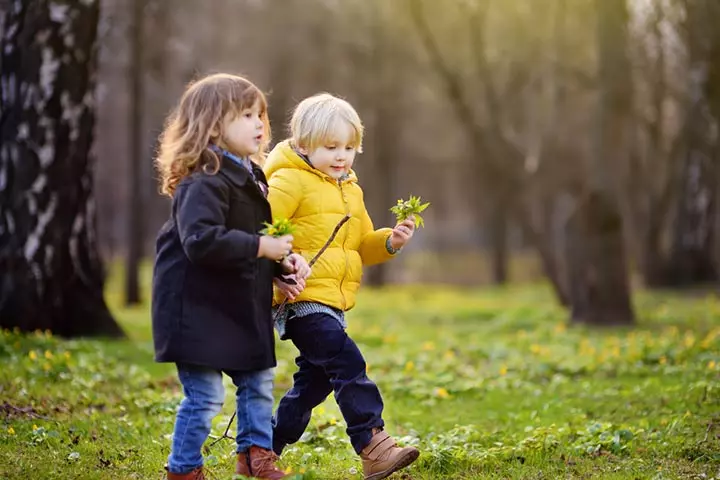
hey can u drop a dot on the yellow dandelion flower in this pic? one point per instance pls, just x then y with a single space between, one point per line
333 421
689 340
46 366
11 431
48 354
449 355
67 355
441 392
428 346
32 355
535 348
711 365
390 339
409 366
663 360
503 370
560 328
35 427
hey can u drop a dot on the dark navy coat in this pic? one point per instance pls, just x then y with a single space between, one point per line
211 295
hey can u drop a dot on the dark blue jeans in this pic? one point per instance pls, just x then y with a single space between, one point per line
329 361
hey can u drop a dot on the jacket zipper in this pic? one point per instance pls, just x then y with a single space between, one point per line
347 230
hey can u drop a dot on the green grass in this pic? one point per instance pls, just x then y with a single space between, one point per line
487 383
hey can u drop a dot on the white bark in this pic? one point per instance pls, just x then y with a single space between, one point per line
33 241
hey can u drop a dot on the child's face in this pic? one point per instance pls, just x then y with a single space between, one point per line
243 134
335 157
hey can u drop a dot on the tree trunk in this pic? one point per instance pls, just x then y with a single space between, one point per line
543 238
383 164
499 239
597 269
691 255
385 96
135 214
597 275
52 274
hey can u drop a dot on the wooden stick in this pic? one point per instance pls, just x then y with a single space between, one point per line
312 261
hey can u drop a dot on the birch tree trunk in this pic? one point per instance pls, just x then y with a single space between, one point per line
52 276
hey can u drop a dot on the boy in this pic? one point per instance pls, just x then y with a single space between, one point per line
311 182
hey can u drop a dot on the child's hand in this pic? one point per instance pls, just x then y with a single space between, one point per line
296 264
290 286
402 233
275 248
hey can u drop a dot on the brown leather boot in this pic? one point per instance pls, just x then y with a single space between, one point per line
382 457
243 464
196 474
262 464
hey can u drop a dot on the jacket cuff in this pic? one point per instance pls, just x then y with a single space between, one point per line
389 247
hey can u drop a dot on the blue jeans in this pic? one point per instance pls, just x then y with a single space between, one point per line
204 396
329 361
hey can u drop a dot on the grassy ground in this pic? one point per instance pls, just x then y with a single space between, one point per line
488 384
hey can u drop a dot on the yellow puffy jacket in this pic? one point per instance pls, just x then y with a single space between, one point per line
315 202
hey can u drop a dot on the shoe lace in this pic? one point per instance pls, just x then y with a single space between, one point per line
267 463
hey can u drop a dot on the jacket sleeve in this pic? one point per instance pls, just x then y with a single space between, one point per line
201 209
285 193
372 247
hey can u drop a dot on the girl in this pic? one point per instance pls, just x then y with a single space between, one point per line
213 275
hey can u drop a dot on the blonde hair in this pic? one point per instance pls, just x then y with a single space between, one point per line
189 128
316 118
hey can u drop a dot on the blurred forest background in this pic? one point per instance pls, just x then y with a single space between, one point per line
568 140
569 146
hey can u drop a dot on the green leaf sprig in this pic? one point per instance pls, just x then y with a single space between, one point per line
279 228
407 208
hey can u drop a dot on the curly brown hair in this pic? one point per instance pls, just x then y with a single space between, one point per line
189 128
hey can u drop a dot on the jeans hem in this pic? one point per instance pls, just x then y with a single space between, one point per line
182 471
361 440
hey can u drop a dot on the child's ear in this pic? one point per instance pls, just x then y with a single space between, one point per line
303 150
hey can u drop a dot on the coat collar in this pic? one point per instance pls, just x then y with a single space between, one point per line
240 176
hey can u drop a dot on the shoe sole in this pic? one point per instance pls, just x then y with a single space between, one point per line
400 464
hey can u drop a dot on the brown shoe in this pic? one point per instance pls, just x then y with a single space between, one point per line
196 474
382 457
243 464
262 464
